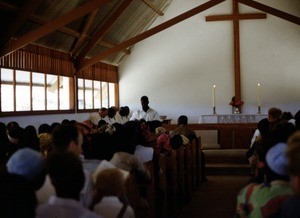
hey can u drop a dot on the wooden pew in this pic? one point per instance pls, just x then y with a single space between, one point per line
198 161
172 184
141 194
188 172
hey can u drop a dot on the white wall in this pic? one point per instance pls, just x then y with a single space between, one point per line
37 120
177 68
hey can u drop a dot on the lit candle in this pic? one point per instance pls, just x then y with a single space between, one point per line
214 96
258 95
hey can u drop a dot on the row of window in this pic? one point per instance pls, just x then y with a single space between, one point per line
31 91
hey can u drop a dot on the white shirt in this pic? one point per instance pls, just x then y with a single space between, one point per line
111 121
63 207
121 119
143 153
150 115
129 162
47 190
109 207
95 118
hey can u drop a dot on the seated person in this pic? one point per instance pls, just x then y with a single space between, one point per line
122 116
67 137
264 200
67 176
111 113
183 128
147 113
101 115
124 157
291 206
29 164
108 193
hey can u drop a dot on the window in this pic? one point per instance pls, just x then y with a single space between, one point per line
94 94
23 91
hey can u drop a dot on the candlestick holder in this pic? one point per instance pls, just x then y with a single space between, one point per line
214 110
259 110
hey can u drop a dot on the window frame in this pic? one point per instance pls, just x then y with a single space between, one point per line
73 98
31 85
84 110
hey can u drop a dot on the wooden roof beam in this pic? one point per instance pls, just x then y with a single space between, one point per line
53 25
88 22
153 7
148 33
270 10
20 19
68 31
98 35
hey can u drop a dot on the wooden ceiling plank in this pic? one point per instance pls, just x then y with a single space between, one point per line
23 13
231 17
85 29
53 25
68 31
148 33
153 7
98 35
270 10
109 45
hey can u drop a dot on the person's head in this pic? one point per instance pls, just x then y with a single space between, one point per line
145 103
182 120
29 164
103 112
53 125
67 137
66 174
44 128
45 143
274 114
111 112
287 116
30 138
276 163
15 134
12 124
110 182
17 197
122 112
127 110
293 161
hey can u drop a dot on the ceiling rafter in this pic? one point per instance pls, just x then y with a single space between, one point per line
53 25
87 24
66 30
23 14
153 7
148 33
98 35
270 10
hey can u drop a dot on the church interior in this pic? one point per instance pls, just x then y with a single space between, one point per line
219 74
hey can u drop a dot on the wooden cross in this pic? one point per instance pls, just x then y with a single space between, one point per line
236 17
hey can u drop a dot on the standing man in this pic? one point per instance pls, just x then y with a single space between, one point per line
147 113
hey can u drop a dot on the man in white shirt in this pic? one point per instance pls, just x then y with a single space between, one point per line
101 115
147 113
67 176
67 138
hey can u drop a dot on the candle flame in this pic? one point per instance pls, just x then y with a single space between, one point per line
214 86
258 84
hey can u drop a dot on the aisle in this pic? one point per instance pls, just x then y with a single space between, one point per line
216 198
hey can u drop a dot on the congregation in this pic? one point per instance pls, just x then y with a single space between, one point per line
79 169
